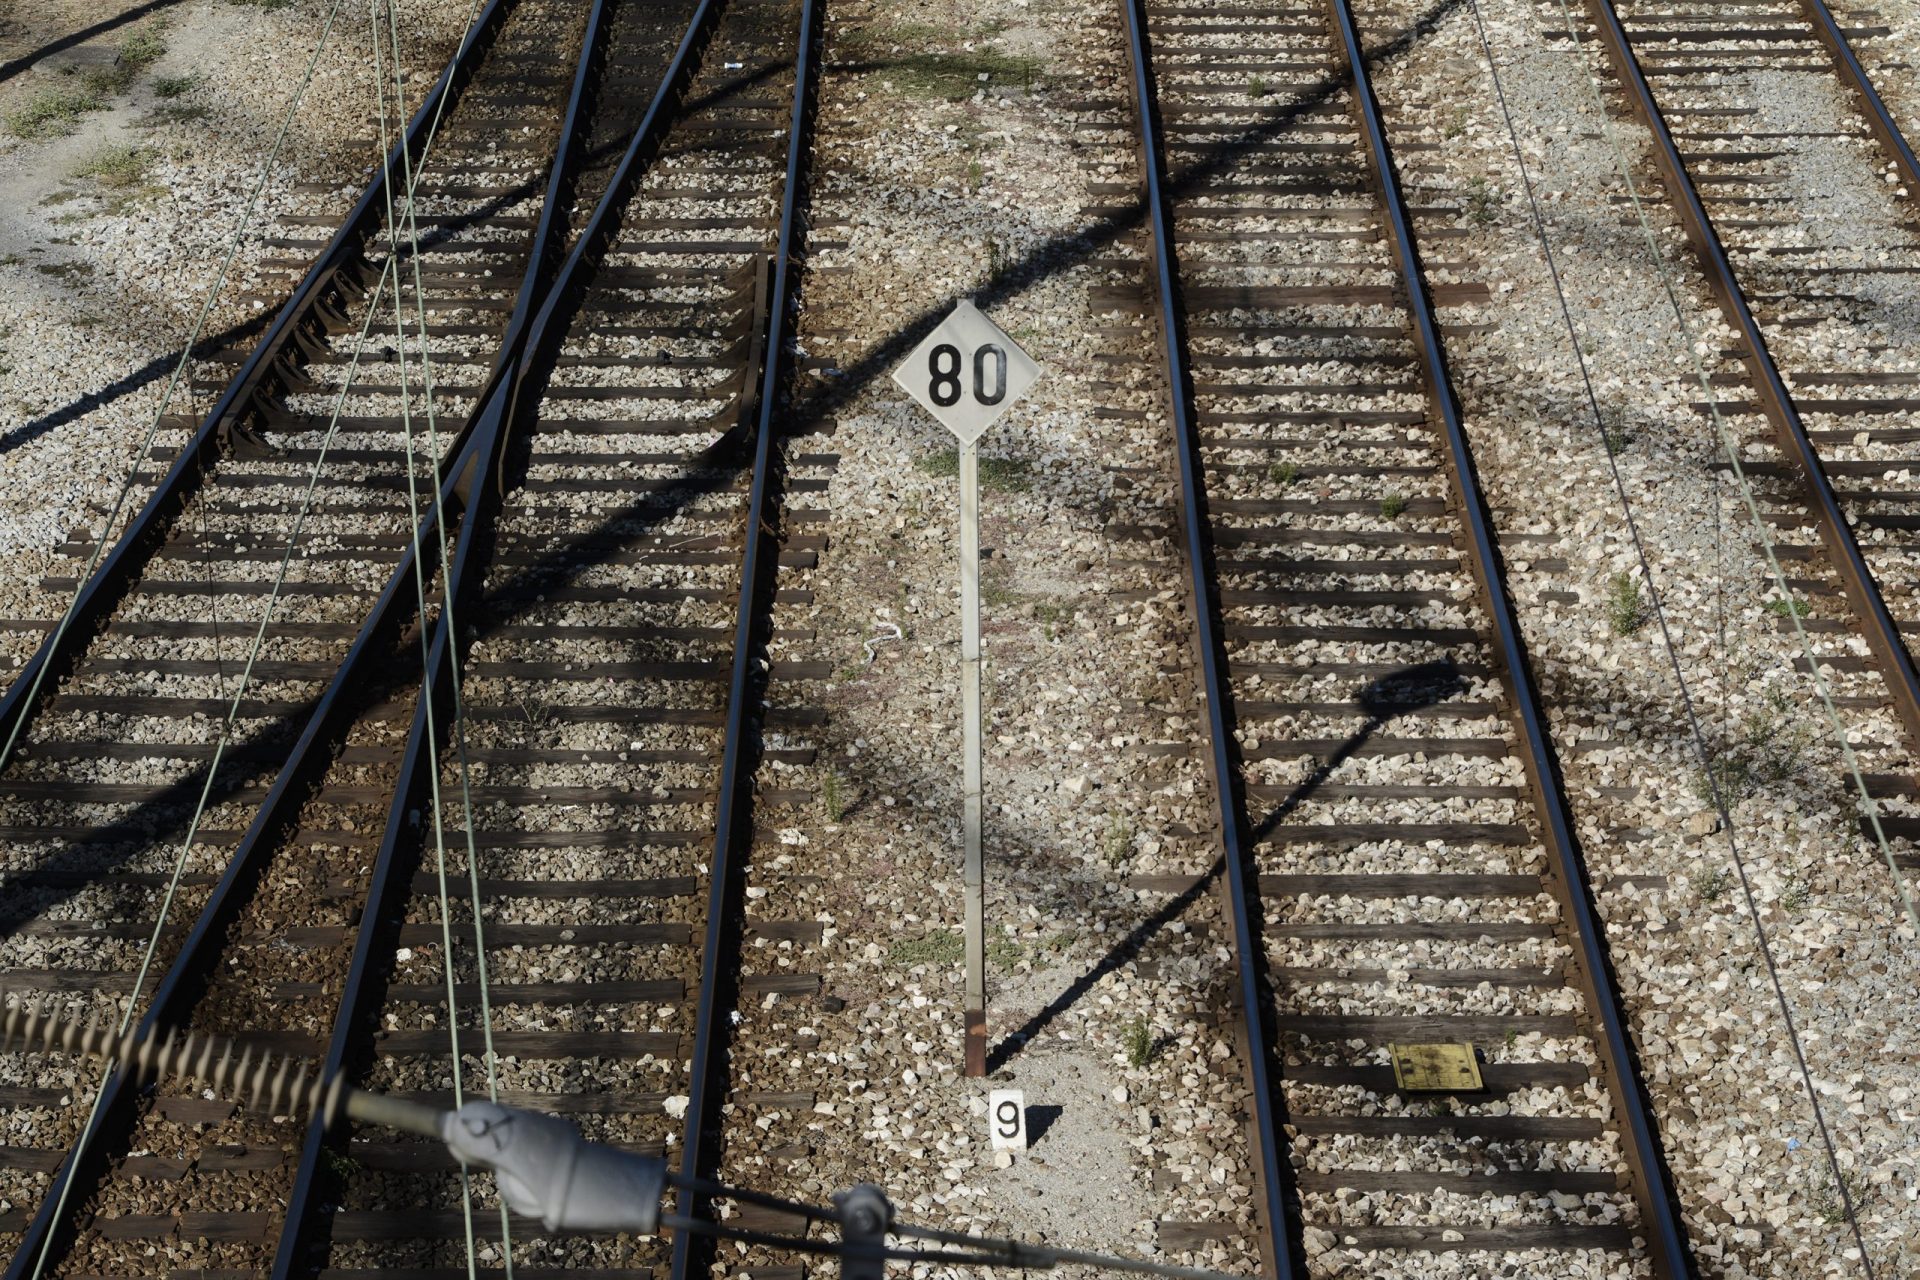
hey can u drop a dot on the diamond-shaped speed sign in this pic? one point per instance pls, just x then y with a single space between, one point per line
967 372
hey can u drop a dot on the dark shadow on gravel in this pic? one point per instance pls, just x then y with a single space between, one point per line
1039 1120
28 893
1401 693
154 370
728 460
1397 694
10 69
1120 954
162 366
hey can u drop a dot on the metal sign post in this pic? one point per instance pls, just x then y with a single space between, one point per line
966 373
971 802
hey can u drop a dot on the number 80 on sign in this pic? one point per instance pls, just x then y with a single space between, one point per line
967 372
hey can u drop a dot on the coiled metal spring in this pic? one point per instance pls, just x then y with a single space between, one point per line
264 1085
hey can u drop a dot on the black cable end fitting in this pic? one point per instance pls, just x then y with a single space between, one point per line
866 1215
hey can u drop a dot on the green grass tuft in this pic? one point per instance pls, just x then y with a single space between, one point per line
1625 610
1137 1040
900 55
1483 203
170 87
997 475
941 947
118 167
1765 751
954 76
54 113
1052 616
174 113
141 50
1832 1206
137 52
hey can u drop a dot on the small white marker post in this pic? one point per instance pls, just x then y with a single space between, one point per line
1007 1119
966 373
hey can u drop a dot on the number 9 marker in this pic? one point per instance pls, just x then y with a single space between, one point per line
1007 1119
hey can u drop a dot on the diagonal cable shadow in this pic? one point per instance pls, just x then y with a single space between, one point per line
162 366
152 371
14 66
1396 694
25 894
728 460
111 846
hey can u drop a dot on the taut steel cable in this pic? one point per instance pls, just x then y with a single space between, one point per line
392 34
173 379
1697 733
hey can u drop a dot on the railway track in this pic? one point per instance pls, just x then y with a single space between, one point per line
1780 159
666 298
618 611
1399 860
102 791
619 656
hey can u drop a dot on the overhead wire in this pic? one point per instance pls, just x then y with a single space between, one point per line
1730 447
171 892
226 728
450 629
388 276
173 380
407 215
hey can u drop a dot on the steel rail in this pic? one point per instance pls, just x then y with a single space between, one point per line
1282 1254
1660 1218
173 997
392 869
1856 578
311 752
1879 119
733 821
267 366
